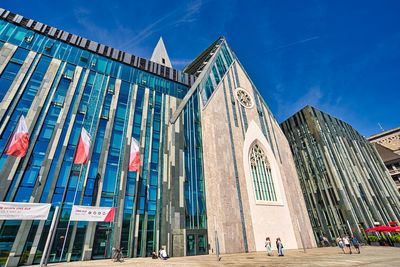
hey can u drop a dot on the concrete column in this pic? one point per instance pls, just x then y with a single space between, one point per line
14 92
142 146
164 227
6 53
125 159
160 171
91 229
99 106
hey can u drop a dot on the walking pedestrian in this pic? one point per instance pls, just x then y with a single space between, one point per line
346 241
340 243
279 246
356 244
268 246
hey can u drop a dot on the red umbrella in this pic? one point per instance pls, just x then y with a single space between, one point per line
383 228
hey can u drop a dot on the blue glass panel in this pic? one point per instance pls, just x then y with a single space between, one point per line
10 71
20 55
23 194
216 75
18 35
110 176
128 204
101 65
4 86
152 206
106 202
153 193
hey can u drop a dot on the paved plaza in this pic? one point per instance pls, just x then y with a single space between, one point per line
370 256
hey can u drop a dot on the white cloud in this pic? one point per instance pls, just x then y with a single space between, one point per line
113 38
129 40
174 18
180 63
312 97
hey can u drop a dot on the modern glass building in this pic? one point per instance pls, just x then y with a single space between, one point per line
62 82
344 181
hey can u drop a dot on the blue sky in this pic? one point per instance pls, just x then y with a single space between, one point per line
342 57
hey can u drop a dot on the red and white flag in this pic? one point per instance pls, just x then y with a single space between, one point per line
82 150
19 142
134 157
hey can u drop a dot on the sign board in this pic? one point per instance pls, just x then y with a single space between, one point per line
24 211
92 214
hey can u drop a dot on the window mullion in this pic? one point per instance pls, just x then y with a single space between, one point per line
266 189
259 176
254 170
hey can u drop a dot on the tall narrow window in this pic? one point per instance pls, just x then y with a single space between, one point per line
261 172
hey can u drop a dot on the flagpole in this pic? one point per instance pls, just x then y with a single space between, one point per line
77 184
43 260
135 208
80 171
73 202
74 199
69 220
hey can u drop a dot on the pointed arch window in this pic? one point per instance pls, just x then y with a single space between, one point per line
263 184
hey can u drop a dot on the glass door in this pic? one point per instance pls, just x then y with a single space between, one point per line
101 242
196 244
190 245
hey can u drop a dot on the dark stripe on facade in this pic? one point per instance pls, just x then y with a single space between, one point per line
242 109
273 133
239 194
233 100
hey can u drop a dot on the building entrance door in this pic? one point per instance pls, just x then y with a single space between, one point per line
101 242
196 244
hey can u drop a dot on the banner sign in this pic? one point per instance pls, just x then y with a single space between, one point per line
24 211
92 214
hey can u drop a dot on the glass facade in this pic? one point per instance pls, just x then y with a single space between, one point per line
194 183
60 89
343 179
218 68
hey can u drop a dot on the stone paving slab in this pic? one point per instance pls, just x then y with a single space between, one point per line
370 256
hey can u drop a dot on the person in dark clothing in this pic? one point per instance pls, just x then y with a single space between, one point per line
356 244
59 246
279 246
154 255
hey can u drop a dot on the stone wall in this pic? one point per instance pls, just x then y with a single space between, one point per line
229 130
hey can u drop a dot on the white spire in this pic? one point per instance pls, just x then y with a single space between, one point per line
160 54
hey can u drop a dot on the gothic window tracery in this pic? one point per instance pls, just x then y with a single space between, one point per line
263 184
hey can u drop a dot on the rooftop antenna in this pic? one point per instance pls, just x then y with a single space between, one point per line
380 126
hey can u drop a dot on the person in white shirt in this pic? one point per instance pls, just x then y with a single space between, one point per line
340 243
163 254
346 241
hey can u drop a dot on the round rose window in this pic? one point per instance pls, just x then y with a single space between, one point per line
244 98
